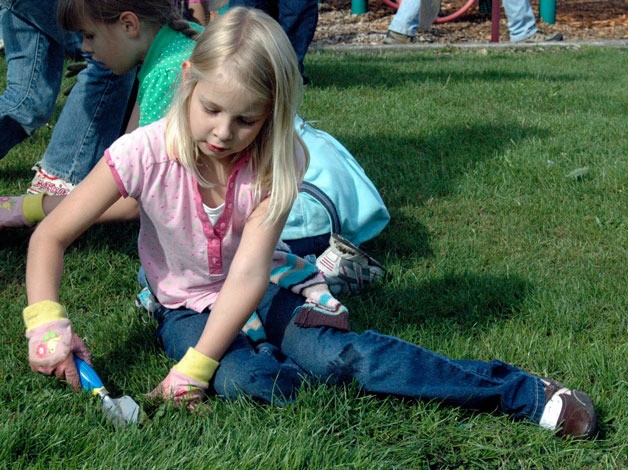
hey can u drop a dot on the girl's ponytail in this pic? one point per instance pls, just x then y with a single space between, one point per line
183 26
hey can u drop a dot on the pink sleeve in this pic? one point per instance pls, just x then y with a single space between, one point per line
131 155
116 175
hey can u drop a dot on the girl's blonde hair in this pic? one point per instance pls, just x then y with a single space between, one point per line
257 51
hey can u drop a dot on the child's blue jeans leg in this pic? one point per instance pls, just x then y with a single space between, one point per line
259 371
91 119
387 365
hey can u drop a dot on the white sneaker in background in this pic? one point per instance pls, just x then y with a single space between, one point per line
347 268
45 183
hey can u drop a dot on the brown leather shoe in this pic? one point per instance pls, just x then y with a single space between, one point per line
568 412
551 387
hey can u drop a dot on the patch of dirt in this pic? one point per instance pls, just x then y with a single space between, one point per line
577 20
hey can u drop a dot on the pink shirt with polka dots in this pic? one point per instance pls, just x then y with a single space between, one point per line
186 259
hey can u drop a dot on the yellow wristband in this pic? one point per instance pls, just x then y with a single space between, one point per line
197 366
42 312
33 208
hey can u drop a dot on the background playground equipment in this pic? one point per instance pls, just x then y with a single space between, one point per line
547 11
460 8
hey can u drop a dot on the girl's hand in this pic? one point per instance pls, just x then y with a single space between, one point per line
182 389
52 343
187 381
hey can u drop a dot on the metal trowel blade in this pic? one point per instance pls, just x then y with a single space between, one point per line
121 411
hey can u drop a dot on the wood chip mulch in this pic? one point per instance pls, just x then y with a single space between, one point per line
577 20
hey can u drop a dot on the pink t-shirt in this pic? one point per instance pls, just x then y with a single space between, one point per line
186 259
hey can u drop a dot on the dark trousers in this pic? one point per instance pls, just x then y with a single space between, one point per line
298 18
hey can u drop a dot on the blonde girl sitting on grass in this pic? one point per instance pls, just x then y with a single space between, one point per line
215 181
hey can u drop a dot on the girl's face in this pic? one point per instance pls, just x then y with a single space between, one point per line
225 117
111 44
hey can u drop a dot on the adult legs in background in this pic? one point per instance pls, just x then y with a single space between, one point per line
521 19
406 19
298 18
34 68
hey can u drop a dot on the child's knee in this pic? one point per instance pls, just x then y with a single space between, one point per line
261 376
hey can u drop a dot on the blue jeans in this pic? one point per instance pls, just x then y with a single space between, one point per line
298 18
259 371
310 246
93 115
377 363
521 19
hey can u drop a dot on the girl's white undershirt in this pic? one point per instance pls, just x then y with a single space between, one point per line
214 213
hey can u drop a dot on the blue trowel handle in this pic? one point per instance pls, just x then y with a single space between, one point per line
89 378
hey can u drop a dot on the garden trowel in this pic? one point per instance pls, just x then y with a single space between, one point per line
121 411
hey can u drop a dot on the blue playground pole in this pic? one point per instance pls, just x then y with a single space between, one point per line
358 7
547 10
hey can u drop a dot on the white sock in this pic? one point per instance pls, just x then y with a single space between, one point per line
551 413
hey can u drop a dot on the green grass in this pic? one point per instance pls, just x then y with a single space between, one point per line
493 250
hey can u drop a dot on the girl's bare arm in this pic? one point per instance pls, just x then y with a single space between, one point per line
245 285
75 214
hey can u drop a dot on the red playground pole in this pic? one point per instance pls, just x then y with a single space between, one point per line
495 9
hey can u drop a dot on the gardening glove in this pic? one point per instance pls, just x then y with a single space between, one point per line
21 211
187 380
52 344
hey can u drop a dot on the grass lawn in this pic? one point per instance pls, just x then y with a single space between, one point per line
506 175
